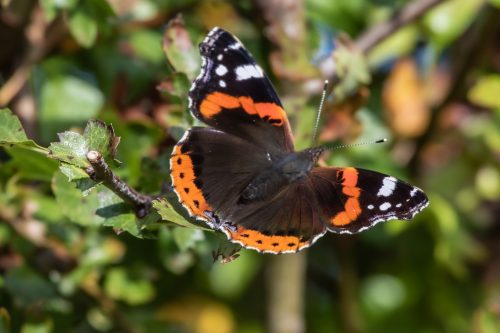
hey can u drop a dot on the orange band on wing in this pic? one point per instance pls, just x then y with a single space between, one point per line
217 101
183 180
257 240
352 209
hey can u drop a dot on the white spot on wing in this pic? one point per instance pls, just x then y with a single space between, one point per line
246 72
222 83
385 206
219 57
398 205
388 186
370 206
377 219
221 70
213 31
414 191
234 46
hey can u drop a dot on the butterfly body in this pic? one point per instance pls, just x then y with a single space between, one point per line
283 171
242 175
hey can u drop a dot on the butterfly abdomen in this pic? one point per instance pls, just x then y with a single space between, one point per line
264 186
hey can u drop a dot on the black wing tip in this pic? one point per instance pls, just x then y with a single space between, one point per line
213 35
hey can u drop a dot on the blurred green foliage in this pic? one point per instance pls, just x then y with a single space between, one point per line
75 258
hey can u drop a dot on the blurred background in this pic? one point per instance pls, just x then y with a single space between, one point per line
424 74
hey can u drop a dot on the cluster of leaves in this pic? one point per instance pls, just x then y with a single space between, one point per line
84 202
74 257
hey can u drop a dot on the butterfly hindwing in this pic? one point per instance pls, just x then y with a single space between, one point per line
356 199
233 94
286 223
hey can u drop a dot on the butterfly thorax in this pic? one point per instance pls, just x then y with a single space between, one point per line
284 170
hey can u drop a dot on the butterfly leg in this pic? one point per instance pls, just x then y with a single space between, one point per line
214 221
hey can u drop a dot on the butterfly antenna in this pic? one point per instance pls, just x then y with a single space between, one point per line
332 147
318 114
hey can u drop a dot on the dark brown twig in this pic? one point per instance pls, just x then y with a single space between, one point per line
101 172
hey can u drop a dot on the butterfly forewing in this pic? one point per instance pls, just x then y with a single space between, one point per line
233 94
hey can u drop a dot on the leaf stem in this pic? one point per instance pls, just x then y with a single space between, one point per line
100 171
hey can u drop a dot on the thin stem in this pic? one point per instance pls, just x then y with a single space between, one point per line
374 36
285 305
100 171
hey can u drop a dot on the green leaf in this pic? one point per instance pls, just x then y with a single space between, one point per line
186 238
399 43
4 320
12 133
51 7
168 213
67 101
11 130
46 326
28 287
351 67
485 92
76 207
383 293
83 27
137 139
87 19
73 172
495 3
231 280
31 164
100 320
449 20
453 245
117 214
120 286
101 137
146 45
179 49
98 207
49 211
79 177
176 86
72 148
173 259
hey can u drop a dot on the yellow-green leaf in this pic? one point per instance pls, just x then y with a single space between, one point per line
485 92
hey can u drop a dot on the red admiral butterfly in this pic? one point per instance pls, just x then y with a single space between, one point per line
243 177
